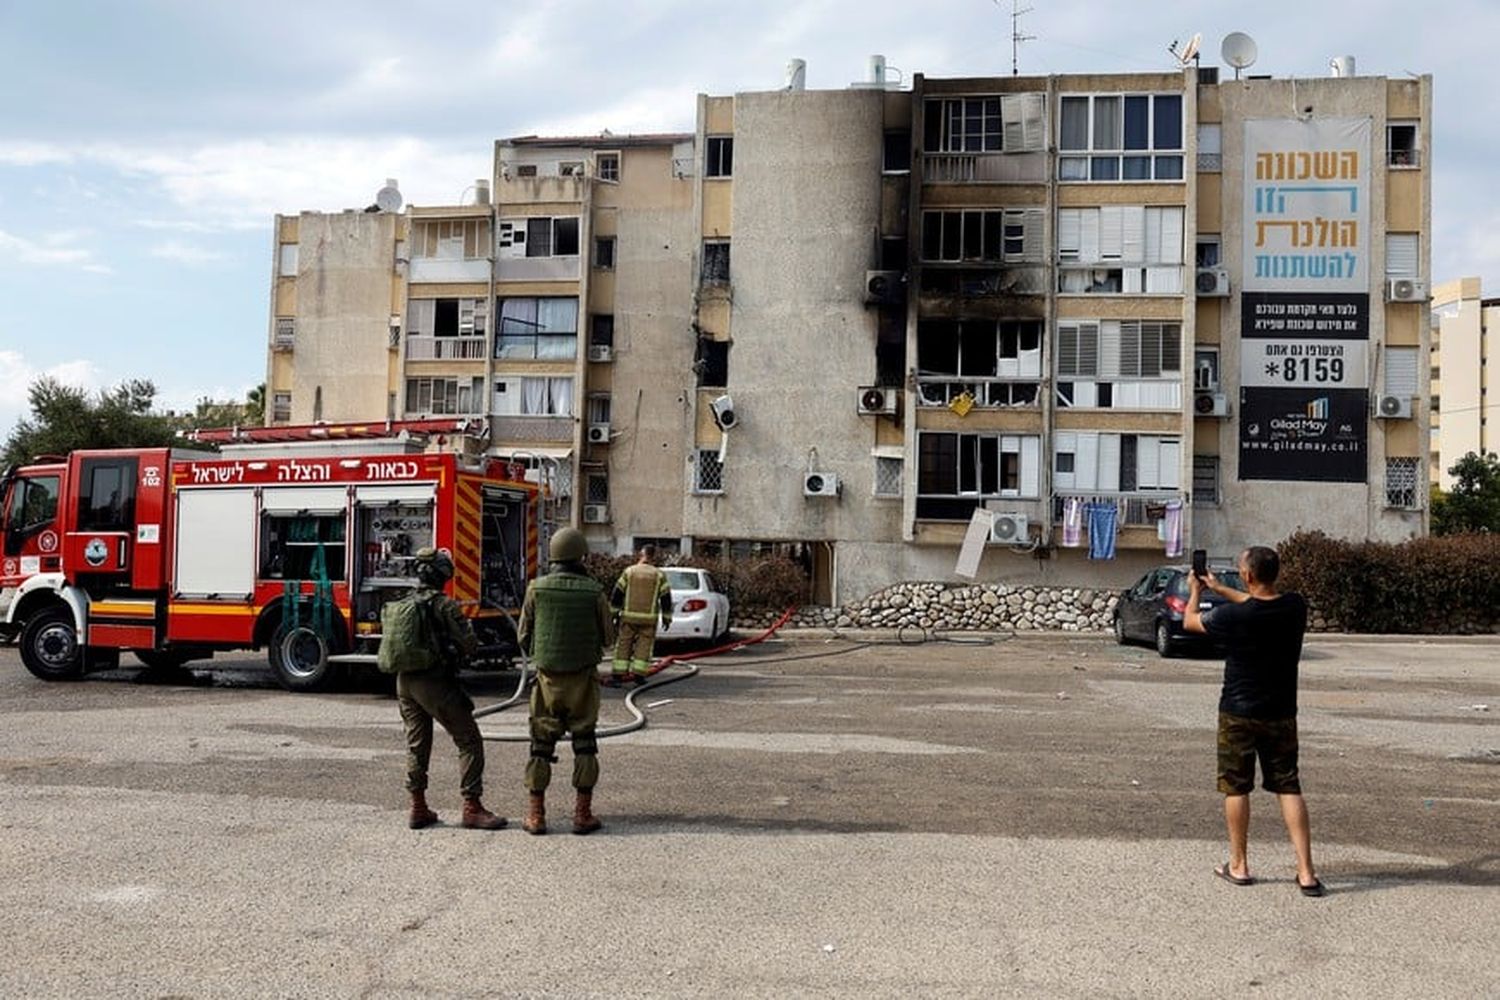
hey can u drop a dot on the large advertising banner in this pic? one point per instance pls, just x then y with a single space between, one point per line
1305 305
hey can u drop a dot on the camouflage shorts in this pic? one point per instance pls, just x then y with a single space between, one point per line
1242 740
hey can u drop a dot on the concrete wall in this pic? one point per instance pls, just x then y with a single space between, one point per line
1265 512
345 265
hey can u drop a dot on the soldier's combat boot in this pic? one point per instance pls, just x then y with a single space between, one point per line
584 820
420 815
535 822
477 817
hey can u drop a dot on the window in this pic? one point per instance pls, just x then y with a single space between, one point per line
445 395
1206 369
1205 480
446 318
1120 249
547 397
1119 348
607 166
1120 137
708 472
720 156
540 237
542 328
1001 235
1401 373
897 158
893 253
286 333
106 494
33 506
599 407
1401 145
281 407
287 260
526 170
602 331
955 472
711 362
1210 252
715 262
570 168
1094 462
596 487
451 239
1401 482
888 477
1403 255
1009 123
998 363
604 252
1210 147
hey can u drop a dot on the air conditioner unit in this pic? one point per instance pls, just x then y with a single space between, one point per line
820 484
1205 377
601 352
1009 529
1212 282
885 286
598 433
722 408
595 513
878 400
1210 404
1393 407
1405 290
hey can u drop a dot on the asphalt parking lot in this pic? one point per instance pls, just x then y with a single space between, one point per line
1034 817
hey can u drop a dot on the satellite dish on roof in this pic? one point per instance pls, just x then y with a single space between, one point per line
1238 51
388 198
1191 51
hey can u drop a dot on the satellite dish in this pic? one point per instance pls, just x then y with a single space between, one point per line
1191 52
1238 51
388 198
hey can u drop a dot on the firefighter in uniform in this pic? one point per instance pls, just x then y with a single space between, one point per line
641 595
436 694
565 628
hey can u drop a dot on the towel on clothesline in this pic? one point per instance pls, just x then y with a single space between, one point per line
1104 519
1173 526
1072 523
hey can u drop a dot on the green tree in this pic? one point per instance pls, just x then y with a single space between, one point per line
1473 505
255 406
64 418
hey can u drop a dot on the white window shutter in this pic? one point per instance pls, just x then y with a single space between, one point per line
1031 235
1136 234
1210 138
1171 457
1069 232
1147 461
1109 461
1109 348
1012 118
1111 231
1401 255
1401 371
1089 245
1086 476
1031 460
1034 113
1172 234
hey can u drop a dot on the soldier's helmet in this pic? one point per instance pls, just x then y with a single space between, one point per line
568 545
434 568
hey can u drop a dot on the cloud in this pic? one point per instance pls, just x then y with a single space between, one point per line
186 253
17 374
55 250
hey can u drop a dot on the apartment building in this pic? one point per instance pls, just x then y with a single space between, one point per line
1461 373
1125 314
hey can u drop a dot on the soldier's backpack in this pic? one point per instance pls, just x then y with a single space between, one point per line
408 636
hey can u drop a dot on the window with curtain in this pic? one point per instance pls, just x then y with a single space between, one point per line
547 397
538 328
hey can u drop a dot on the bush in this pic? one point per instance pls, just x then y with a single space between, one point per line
606 568
1427 585
760 583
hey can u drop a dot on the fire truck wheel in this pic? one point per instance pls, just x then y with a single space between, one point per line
299 658
49 646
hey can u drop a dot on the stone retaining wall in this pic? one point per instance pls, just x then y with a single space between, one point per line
961 607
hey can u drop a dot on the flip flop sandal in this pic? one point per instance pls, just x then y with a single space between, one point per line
1224 873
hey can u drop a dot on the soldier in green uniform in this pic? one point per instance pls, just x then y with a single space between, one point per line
641 595
425 695
565 626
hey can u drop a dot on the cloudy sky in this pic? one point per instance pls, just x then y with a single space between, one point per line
145 146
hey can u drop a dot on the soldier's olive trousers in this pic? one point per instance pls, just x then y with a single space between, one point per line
633 648
564 703
436 694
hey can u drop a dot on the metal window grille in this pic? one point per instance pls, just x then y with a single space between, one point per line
286 332
1206 480
1401 482
888 477
709 473
281 407
716 263
596 488
609 166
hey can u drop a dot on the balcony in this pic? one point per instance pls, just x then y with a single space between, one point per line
450 269
424 348
1137 510
984 168
941 390
540 429
1114 279
984 282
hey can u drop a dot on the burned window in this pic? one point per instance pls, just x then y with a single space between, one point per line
897 158
711 362
719 156
716 262
604 252
602 331
893 253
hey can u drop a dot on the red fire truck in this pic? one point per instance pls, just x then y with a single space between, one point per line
173 555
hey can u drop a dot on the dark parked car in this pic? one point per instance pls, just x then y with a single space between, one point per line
1151 611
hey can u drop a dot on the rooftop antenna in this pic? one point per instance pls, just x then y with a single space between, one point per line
1189 53
1016 38
1239 51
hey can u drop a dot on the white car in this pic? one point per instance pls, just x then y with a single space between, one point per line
699 609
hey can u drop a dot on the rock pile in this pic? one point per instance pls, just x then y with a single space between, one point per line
963 607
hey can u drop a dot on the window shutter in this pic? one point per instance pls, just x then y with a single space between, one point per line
421 315
1210 139
1089 246
1088 348
1147 461
1109 461
1171 456
1111 232
1067 350
1109 348
1130 349
1031 459
1031 235
1401 255
1033 112
1086 466
1401 371
1171 236
1012 114
1137 233
1069 233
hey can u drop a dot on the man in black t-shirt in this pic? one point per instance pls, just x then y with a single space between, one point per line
1262 632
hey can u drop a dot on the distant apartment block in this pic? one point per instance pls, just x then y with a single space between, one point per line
1462 370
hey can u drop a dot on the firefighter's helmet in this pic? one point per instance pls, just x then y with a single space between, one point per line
568 545
434 568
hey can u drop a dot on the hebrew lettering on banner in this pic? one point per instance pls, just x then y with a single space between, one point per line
1307 205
